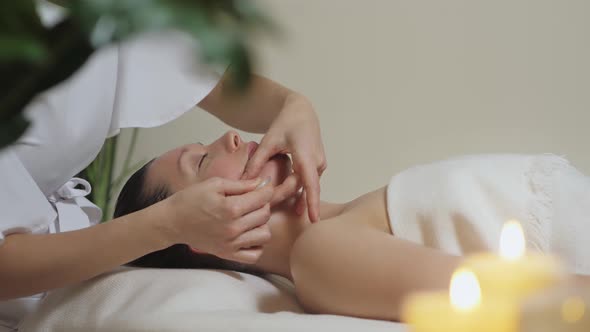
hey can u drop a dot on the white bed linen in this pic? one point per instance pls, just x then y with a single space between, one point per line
185 300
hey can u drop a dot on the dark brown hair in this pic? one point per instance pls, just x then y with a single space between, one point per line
136 196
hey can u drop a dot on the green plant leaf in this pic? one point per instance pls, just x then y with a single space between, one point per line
21 48
220 26
66 50
20 17
11 129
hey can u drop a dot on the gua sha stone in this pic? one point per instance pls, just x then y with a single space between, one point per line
263 183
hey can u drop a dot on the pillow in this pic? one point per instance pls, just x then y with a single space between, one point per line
137 299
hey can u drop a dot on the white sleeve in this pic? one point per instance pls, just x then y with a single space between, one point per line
23 208
144 82
159 77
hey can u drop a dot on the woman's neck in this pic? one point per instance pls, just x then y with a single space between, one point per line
285 227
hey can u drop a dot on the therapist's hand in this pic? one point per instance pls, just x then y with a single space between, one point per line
222 217
295 130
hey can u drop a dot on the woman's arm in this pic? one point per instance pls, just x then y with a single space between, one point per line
30 263
342 267
252 110
228 214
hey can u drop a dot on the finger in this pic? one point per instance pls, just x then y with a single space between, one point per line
240 205
300 204
251 220
323 166
311 186
247 255
239 187
285 190
255 237
263 153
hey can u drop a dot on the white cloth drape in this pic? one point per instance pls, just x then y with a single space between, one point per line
459 205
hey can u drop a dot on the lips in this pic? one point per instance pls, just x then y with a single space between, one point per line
251 149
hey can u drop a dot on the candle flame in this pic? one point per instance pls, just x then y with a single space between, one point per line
465 291
512 245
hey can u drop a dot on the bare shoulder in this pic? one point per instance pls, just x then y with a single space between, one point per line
369 209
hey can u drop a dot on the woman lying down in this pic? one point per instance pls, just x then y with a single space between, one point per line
364 256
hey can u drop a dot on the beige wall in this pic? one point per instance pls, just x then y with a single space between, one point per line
396 83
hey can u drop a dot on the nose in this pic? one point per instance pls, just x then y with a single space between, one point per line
232 140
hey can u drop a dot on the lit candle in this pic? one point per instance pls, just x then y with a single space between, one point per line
514 273
460 310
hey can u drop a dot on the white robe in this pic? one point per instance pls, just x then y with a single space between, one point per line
144 82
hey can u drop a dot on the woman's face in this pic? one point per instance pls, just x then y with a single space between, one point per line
225 158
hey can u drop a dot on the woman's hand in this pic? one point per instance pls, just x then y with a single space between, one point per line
222 217
291 126
295 130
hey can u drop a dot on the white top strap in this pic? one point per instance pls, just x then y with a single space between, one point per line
74 211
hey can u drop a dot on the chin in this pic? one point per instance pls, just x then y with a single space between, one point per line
278 168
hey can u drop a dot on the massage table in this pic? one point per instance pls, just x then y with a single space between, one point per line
140 299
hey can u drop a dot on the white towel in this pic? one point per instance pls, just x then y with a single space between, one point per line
459 205
179 300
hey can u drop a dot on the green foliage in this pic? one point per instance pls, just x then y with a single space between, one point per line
33 58
100 173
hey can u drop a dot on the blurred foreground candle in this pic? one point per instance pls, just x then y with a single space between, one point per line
565 308
514 273
460 310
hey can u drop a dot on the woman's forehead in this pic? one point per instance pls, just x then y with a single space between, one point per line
175 153
168 157
166 166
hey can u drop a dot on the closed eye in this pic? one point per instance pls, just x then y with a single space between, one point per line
202 158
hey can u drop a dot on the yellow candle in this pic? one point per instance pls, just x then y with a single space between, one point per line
493 304
564 308
463 310
514 273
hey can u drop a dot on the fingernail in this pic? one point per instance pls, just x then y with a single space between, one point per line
264 182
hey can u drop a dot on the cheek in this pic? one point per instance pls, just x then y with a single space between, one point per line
278 169
223 168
